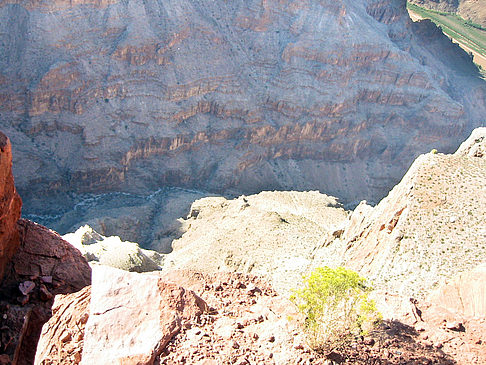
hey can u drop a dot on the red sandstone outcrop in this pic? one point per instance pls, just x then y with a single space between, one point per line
43 266
36 264
62 338
221 96
124 318
10 206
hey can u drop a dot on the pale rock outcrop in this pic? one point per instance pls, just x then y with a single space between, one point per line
475 145
112 251
62 338
464 294
273 234
132 317
10 206
428 229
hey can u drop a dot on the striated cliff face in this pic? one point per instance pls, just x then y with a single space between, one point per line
232 97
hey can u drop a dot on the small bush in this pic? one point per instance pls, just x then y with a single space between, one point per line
337 308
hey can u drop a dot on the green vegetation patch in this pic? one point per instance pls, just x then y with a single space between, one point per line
336 306
463 31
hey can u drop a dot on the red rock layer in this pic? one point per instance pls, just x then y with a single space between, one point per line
43 266
10 206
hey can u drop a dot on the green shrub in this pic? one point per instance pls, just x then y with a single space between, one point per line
337 308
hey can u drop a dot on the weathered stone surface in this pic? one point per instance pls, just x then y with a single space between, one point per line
43 252
133 316
10 206
272 233
464 294
428 229
43 266
475 145
235 97
62 337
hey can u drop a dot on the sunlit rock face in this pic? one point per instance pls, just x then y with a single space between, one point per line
226 96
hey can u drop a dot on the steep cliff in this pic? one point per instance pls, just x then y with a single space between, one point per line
430 228
10 206
35 265
232 97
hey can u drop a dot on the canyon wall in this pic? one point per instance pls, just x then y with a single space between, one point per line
226 97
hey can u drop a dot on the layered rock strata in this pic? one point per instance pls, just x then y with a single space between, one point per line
233 97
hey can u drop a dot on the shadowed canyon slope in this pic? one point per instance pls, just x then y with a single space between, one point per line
232 97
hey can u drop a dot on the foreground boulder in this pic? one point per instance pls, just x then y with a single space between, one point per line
62 337
132 317
44 265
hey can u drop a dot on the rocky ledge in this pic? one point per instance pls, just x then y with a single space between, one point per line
420 245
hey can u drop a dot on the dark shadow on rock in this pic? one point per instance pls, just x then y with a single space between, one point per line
150 220
44 265
393 343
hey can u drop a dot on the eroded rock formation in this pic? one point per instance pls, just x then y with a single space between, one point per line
36 264
43 266
233 97
10 206
428 229
273 234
